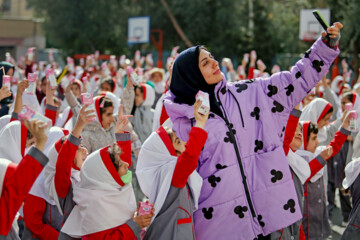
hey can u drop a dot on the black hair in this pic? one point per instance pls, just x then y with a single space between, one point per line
29 135
134 106
349 96
312 129
63 139
329 111
113 150
107 103
110 82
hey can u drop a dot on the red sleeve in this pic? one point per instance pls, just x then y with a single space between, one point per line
188 160
290 132
17 183
126 151
51 114
63 168
122 232
336 143
34 208
251 72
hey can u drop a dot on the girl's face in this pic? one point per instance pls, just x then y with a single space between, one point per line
325 121
156 77
76 90
209 68
123 168
179 145
313 142
139 97
344 101
81 155
297 139
107 117
105 87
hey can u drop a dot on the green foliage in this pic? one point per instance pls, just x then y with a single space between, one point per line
223 26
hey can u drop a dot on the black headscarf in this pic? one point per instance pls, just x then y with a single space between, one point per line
187 80
7 66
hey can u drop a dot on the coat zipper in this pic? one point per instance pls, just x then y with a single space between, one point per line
238 155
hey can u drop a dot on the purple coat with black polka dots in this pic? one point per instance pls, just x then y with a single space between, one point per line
248 189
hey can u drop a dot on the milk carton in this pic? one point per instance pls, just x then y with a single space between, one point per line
50 76
32 77
205 106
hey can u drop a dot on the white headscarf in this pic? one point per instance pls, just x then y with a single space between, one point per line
38 189
314 112
4 163
307 155
103 201
335 83
13 141
155 168
4 120
50 170
352 171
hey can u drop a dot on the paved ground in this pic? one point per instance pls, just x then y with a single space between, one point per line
337 229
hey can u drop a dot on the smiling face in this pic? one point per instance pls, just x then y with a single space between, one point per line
297 139
209 68
179 145
76 90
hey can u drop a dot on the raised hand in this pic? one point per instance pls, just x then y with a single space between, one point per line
122 121
36 128
4 92
22 85
327 153
85 117
200 118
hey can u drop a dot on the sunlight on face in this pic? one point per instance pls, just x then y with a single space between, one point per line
209 68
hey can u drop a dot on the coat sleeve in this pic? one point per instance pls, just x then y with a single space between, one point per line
34 209
288 88
123 140
318 163
50 112
64 164
127 231
187 161
291 129
17 185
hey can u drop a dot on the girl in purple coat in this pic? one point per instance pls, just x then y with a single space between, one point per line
247 189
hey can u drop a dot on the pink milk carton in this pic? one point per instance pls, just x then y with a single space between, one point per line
51 55
246 57
253 54
87 99
205 106
97 54
145 208
6 81
50 76
30 54
137 55
354 126
122 60
70 63
30 114
174 51
32 77
349 107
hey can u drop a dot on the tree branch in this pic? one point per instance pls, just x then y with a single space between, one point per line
175 24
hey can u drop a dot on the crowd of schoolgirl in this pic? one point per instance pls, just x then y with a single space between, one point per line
88 174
